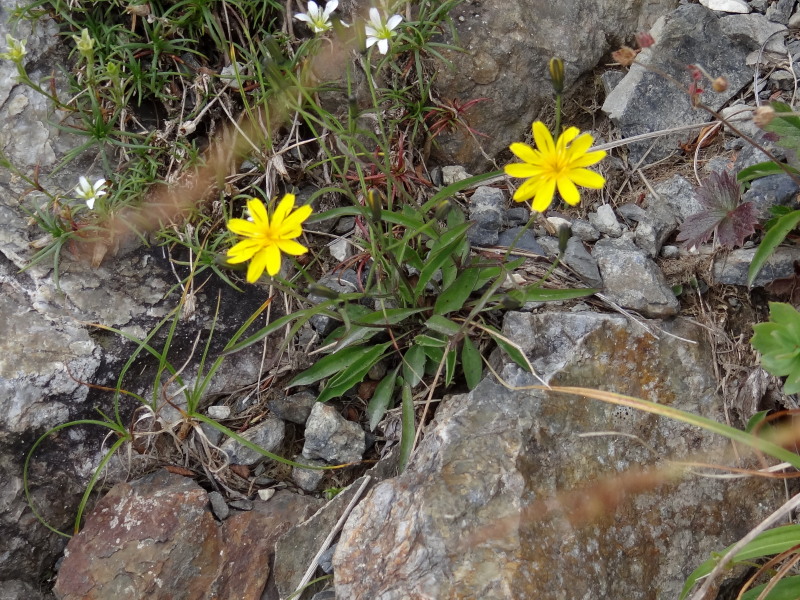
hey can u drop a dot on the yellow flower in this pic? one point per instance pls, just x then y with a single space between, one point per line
560 164
267 238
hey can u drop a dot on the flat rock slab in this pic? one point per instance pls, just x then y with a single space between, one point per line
156 538
501 499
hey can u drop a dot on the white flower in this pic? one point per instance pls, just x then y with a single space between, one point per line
88 192
379 31
318 20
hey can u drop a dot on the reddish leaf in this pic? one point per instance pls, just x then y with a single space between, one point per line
723 214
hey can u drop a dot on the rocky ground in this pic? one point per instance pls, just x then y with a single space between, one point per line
493 503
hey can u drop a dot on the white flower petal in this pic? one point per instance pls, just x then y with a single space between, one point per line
394 21
90 203
371 41
370 31
329 8
375 18
383 46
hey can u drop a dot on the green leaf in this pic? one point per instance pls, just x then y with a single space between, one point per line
514 352
450 366
370 324
471 363
442 325
755 420
439 255
414 365
771 240
534 293
264 332
787 588
408 429
381 399
353 374
455 296
427 340
768 543
331 364
778 341
435 355
760 170
786 126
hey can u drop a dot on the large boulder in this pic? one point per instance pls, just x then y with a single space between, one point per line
521 493
507 45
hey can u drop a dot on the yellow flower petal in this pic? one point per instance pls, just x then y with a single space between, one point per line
259 212
256 267
283 209
272 257
543 138
581 145
544 195
566 137
294 220
524 152
528 189
569 193
587 178
291 247
588 159
522 170
243 251
245 228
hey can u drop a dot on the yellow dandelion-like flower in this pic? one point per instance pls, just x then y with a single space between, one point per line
552 165
267 238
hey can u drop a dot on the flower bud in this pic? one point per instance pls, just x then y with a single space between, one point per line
374 206
85 44
564 233
556 67
644 39
16 50
720 84
442 210
763 116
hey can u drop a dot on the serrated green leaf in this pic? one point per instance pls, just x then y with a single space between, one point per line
353 374
778 342
408 427
768 543
414 365
472 363
455 296
787 127
442 325
331 364
772 239
381 399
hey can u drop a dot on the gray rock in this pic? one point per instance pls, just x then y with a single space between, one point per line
452 174
749 155
657 225
501 490
610 80
242 504
678 194
16 589
516 215
780 11
577 258
308 480
324 595
505 59
326 560
731 269
294 408
344 282
218 506
773 190
344 225
585 231
527 241
268 435
605 221
730 6
645 101
331 437
633 280
486 208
